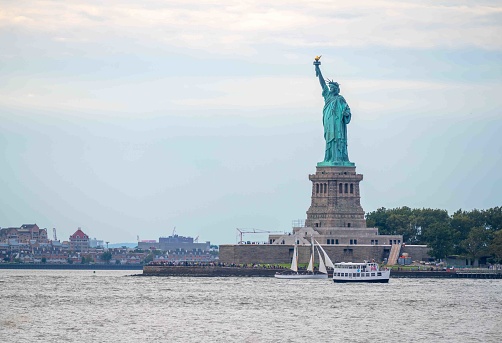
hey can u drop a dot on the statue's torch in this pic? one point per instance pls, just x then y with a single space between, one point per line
317 63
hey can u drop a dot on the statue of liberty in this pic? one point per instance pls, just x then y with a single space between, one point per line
336 116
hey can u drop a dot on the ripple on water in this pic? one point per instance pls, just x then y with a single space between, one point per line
66 306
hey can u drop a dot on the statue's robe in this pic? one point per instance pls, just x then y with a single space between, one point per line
336 116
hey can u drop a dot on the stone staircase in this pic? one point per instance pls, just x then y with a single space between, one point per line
394 254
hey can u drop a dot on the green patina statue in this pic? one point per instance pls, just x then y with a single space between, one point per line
336 116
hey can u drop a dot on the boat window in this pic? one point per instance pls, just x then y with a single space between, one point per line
372 274
379 274
367 274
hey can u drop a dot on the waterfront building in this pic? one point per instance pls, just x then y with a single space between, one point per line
79 241
27 233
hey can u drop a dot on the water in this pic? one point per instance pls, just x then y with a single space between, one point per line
108 306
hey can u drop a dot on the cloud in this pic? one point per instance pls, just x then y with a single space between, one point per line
266 97
237 28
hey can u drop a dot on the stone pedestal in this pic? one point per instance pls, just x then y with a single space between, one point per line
336 201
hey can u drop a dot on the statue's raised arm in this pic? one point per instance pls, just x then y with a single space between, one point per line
318 73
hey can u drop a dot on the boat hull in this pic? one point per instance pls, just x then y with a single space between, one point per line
301 276
367 281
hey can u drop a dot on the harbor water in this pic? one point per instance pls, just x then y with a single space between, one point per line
111 306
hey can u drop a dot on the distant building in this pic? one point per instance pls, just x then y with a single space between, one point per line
175 242
27 233
79 241
95 243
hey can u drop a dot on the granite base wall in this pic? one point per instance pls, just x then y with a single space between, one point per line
272 254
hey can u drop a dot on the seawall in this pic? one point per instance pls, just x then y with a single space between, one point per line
207 271
215 271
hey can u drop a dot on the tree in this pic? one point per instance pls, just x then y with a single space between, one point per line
378 219
495 247
493 218
462 223
106 256
86 259
44 260
476 243
403 224
440 240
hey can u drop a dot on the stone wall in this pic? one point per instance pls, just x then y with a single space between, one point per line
266 253
416 252
336 200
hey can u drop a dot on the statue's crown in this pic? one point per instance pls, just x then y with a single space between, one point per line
331 82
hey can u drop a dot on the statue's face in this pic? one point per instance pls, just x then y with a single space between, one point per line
333 88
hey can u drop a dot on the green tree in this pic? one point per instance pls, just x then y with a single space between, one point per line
493 218
378 219
106 256
462 223
495 247
149 258
44 260
440 240
476 243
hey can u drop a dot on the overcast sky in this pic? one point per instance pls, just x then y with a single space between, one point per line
130 118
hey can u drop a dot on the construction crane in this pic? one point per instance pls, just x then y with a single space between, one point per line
196 240
241 232
54 234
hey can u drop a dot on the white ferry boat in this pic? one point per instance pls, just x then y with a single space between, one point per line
360 272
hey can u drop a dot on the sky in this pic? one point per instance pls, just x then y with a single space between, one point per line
137 118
